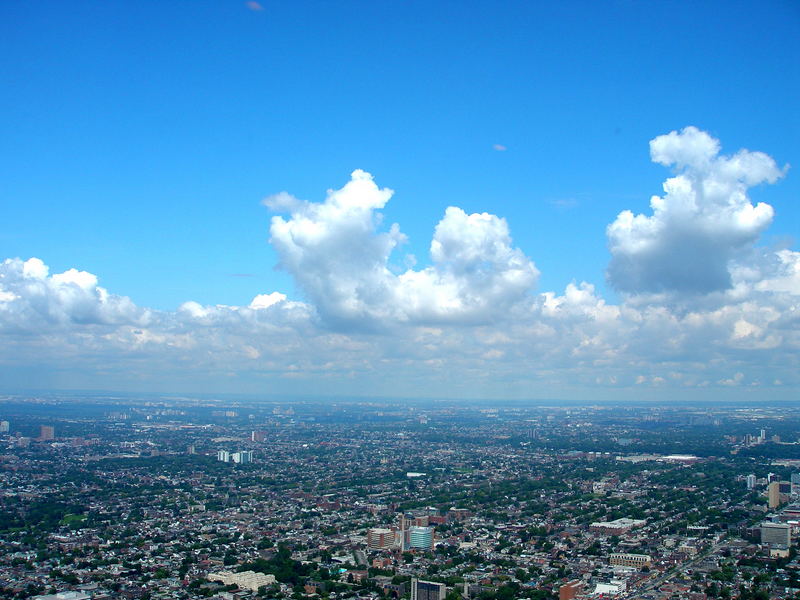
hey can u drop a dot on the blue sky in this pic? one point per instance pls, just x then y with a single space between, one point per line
139 139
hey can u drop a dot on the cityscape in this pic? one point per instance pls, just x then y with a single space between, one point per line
236 499
399 300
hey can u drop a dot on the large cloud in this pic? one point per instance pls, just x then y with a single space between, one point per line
32 300
341 260
700 223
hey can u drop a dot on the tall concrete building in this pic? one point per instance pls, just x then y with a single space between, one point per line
243 457
427 590
223 456
778 493
776 534
4 427
406 520
380 538
795 481
420 538
47 432
773 495
751 482
258 436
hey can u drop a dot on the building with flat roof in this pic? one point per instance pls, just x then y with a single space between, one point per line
64 596
620 559
778 493
427 590
420 537
243 457
616 527
247 580
380 538
776 534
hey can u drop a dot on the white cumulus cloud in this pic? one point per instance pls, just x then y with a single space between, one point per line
698 226
32 300
338 254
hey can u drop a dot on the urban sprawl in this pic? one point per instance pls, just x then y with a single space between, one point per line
184 498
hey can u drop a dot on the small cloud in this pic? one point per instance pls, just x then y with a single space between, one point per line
733 381
267 300
254 6
564 203
499 147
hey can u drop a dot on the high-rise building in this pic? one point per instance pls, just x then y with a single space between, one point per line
258 436
420 537
427 590
776 534
380 538
4 427
751 482
406 520
223 456
795 481
243 457
47 432
778 493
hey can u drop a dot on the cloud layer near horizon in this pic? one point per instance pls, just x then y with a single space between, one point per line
702 305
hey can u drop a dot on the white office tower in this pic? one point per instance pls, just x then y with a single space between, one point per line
243 457
4 427
751 482
223 456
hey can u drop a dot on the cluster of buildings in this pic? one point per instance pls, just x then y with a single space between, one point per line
242 457
377 504
411 533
